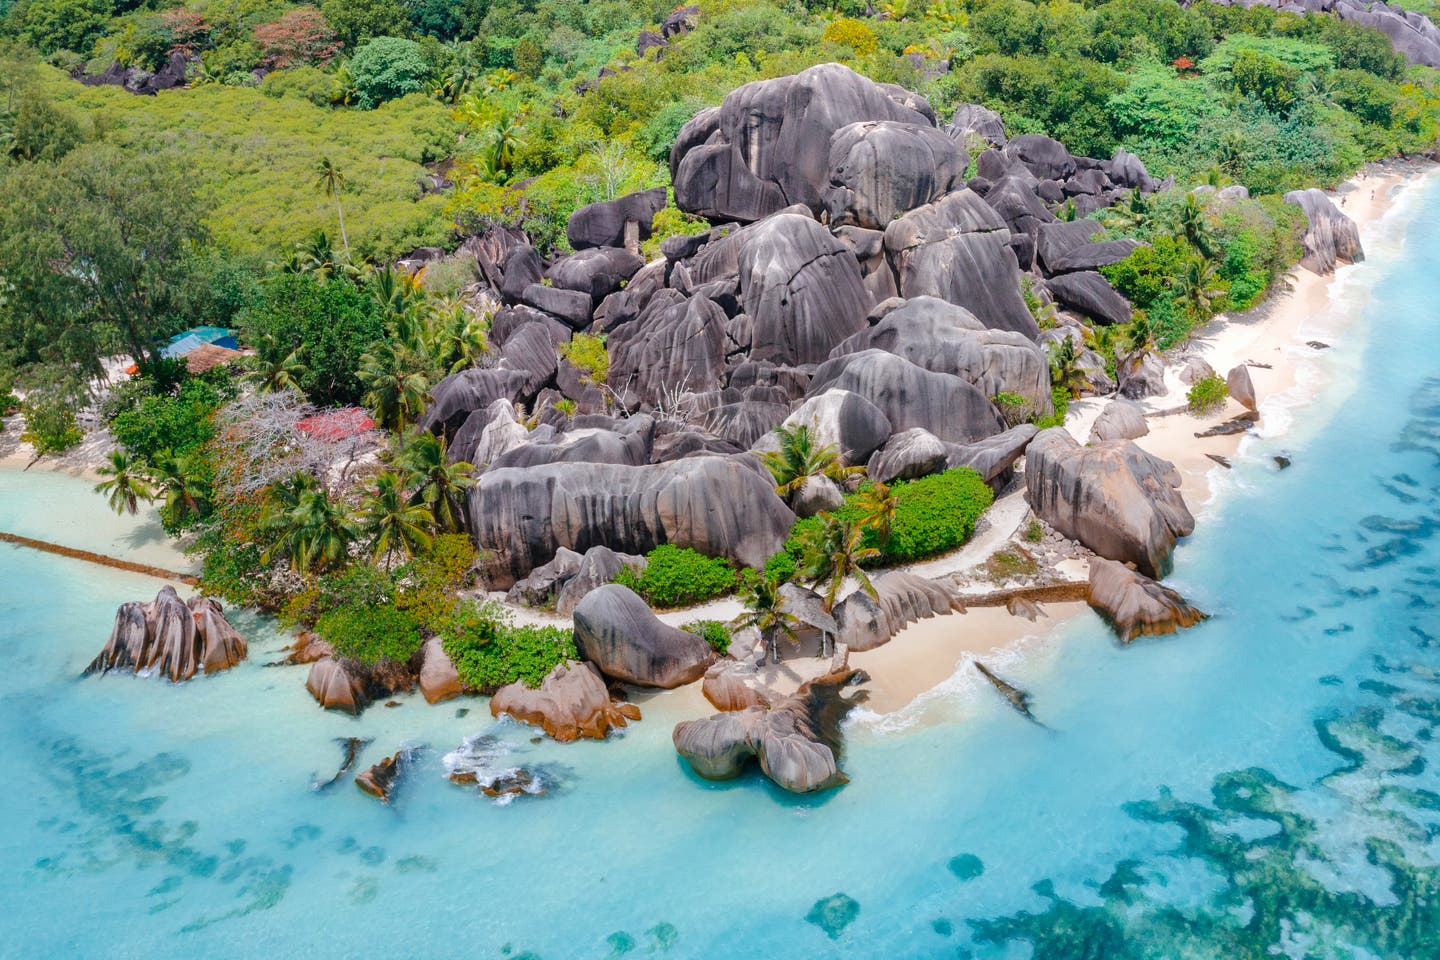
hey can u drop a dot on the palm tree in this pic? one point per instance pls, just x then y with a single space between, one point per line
800 457
395 384
440 486
1195 289
312 530
765 610
182 484
1065 369
125 486
273 368
392 524
457 338
331 182
505 139
1193 225
832 552
877 509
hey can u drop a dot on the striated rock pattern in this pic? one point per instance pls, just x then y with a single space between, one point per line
569 704
176 638
1135 605
617 632
336 688
880 169
438 677
603 224
521 517
910 396
901 598
1120 420
796 741
1116 499
1331 237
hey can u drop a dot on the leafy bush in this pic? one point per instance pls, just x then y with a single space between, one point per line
371 634
179 424
781 567
386 68
1207 394
489 652
679 577
587 352
933 515
714 632
50 425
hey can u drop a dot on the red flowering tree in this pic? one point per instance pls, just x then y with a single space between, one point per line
189 32
300 37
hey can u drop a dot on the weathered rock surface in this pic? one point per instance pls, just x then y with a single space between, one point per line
730 685
851 424
336 688
796 741
880 169
676 343
1120 420
768 144
521 517
802 288
816 495
992 457
569 704
1089 293
597 271
977 271
381 780
599 566
438 678
174 637
1116 499
1195 370
1135 605
603 224
1141 375
910 396
982 122
901 598
907 455
1331 236
617 631
1241 387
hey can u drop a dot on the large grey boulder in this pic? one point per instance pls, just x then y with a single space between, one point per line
629 444
597 271
543 583
746 421
603 224
1241 387
617 631
675 345
911 396
945 338
599 566
851 424
572 306
1088 293
971 119
1135 605
802 287
1047 159
881 168
522 266
457 396
1127 170
1141 375
1120 420
960 211
521 517
977 271
1331 236
900 599
173 637
907 455
571 703
768 144
992 457
817 495
1116 499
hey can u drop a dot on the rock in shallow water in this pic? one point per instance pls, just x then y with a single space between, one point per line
1135 605
569 704
177 638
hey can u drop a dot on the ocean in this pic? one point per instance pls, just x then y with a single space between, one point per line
1261 785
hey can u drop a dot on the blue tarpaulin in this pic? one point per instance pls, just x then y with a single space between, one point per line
181 344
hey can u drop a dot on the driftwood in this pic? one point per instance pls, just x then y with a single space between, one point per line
1067 591
98 558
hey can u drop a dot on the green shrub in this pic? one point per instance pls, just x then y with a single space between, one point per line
781 567
1207 394
1014 408
679 577
933 515
179 424
1060 398
714 632
50 425
1034 532
587 352
387 68
489 652
371 634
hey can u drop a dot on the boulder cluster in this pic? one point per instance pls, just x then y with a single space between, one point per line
854 281
173 637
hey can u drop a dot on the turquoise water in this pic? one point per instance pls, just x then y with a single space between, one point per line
1262 785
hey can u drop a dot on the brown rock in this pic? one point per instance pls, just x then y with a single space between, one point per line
730 685
1238 383
176 638
570 703
307 648
1136 606
379 780
438 678
335 688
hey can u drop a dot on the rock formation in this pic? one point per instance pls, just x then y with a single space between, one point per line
1331 237
176 638
617 632
1116 499
336 688
1135 605
438 677
1120 420
901 598
569 704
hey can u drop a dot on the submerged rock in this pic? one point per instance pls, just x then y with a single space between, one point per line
796 741
482 761
1135 605
381 780
1119 501
833 914
335 687
177 638
569 704
617 632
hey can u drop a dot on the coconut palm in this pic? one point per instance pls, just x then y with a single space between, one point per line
393 524
396 381
876 504
1194 227
125 485
1196 289
273 368
312 530
182 483
765 611
457 337
439 486
801 457
1065 369
505 139
331 182
833 551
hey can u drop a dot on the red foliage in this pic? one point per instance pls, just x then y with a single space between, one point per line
1183 62
302 36
189 33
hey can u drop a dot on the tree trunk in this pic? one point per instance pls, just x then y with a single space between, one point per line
340 210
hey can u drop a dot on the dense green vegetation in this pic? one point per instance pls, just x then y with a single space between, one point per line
489 651
679 577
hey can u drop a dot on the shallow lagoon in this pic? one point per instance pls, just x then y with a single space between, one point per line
1263 781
